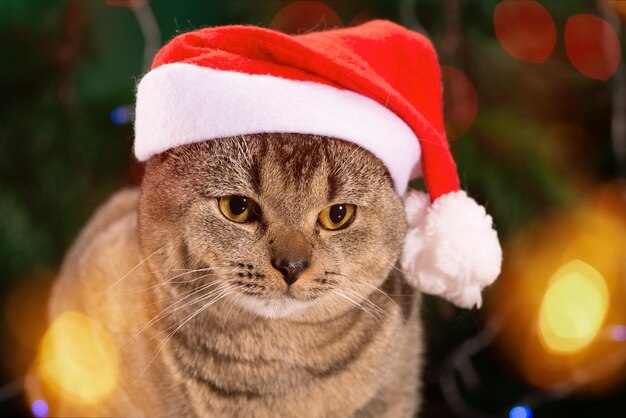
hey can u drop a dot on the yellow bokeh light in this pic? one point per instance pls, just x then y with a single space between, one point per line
78 358
573 308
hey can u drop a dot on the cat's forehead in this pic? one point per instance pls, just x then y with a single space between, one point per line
276 166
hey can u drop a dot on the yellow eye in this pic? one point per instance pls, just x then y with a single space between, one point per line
236 208
337 216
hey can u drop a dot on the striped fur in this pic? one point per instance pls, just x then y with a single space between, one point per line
202 322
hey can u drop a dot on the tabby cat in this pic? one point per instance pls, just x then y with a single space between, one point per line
252 276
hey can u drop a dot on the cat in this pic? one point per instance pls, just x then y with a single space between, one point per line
251 276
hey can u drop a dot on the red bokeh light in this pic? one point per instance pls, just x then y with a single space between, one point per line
525 29
305 16
592 45
460 102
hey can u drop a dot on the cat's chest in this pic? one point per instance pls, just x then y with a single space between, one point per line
264 365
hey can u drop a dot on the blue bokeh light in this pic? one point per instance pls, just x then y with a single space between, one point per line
119 115
40 408
521 412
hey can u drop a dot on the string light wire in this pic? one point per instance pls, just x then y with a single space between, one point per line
459 363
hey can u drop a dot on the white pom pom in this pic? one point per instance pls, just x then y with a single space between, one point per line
451 249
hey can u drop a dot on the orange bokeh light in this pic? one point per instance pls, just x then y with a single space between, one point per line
560 294
592 45
77 367
573 309
460 102
525 29
619 6
304 17
25 308
25 315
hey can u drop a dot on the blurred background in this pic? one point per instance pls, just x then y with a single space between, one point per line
535 102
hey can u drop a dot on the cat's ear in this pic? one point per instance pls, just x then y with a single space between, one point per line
451 249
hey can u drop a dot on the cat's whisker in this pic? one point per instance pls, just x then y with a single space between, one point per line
190 292
355 304
185 281
357 282
182 269
385 294
163 271
162 344
224 267
161 332
234 301
195 301
187 293
366 301
173 308
401 271
395 267
130 271
370 286
227 268
170 280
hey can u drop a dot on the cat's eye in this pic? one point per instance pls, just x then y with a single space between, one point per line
237 208
337 217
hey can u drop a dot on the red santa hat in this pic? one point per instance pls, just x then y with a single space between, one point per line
377 85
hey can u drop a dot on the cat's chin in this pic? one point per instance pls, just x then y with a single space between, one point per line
276 307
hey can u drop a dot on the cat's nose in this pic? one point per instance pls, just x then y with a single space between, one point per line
290 254
290 267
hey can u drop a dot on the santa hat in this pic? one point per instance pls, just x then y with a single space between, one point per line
377 85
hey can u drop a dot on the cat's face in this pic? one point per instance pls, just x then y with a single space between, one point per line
280 223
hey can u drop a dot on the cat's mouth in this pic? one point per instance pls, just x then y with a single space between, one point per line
275 297
276 306
291 294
